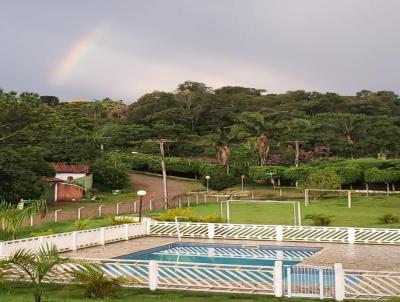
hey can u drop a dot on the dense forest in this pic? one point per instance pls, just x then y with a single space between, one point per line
38 129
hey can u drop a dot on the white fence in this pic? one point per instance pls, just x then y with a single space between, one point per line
76 240
276 232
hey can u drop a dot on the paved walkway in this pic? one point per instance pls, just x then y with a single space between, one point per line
363 257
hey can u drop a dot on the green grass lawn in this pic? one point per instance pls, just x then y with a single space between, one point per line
58 227
19 292
365 211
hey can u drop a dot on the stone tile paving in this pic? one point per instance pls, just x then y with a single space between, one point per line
357 256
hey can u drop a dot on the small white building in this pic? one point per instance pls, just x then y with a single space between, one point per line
70 172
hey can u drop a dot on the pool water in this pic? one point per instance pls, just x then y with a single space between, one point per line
235 254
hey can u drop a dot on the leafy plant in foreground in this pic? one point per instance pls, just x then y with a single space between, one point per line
94 283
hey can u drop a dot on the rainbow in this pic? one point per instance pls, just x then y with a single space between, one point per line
75 54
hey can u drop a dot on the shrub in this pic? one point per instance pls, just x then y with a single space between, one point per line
376 175
322 179
349 174
106 177
94 283
220 181
80 224
389 219
261 172
117 220
320 219
169 215
298 174
42 233
185 214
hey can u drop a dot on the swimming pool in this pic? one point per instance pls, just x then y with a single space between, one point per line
232 254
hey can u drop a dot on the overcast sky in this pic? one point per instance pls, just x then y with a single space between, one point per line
89 49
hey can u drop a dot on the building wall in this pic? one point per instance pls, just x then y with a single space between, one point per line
64 176
86 182
69 192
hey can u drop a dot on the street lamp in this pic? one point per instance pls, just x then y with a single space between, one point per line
141 193
208 181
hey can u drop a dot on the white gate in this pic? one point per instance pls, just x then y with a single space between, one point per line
307 281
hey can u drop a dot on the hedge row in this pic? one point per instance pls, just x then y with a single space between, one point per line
349 174
175 165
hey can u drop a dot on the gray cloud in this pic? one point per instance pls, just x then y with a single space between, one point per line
279 45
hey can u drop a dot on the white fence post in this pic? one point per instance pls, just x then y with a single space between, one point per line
79 212
279 233
102 237
252 194
339 282
31 220
278 279
56 214
134 206
126 229
211 230
306 197
179 202
100 207
349 199
74 235
151 205
188 201
205 198
147 224
197 199
351 235
153 274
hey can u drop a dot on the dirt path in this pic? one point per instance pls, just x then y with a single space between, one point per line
154 187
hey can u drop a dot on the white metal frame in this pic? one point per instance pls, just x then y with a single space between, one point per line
306 195
296 207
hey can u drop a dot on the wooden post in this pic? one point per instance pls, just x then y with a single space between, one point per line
197 199
179 202
387 188
252 194
217 197
366 189
188 201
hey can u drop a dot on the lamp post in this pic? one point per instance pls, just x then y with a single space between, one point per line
141 193
208 181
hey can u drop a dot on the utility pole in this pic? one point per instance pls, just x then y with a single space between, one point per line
297 146
162 142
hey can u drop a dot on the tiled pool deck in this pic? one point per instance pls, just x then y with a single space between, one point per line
357 256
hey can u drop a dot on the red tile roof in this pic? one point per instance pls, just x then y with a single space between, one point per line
65 168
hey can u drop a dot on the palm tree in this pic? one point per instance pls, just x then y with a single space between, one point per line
12 217
93 281
36 266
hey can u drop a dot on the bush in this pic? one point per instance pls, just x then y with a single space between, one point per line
348 174
320 219
389 219
322 179
185 214
80 224
220 181
376 175
106 177
117 220
94 283
261 172
42 233
298 174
